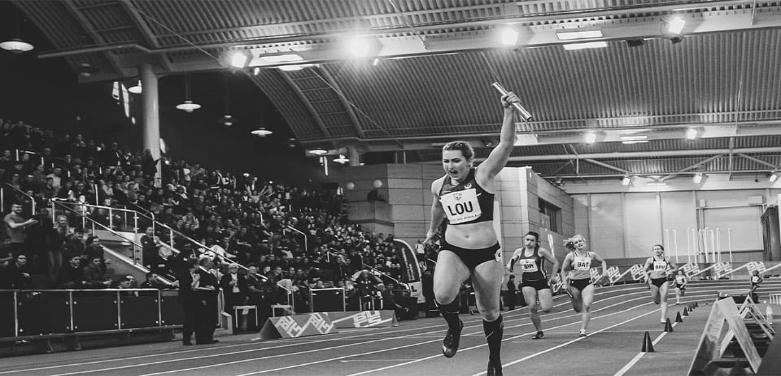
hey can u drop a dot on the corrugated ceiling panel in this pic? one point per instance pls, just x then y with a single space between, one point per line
55 22
276 89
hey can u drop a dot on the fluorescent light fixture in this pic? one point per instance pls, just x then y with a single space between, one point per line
675 25
188 106
255 71
691 133
136 89
627 140
508 36
239 59
277 59
294 67
342 159
375 62
697 179
318 152
585 34
590 138
261 132
582 46
16 45
656 183
626 180
773 177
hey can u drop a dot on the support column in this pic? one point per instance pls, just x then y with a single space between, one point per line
151 108
354 156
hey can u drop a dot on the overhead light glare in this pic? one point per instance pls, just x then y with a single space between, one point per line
590 138
136 89
318 152
278 59
691 133
675 25
628 140
508 36
239 59
697 179
360 47
261 132
773 177
188 106
342 159
16 45
375 62
294 67
585 34
583 46
626 180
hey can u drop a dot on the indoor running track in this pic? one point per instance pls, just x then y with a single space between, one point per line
620 316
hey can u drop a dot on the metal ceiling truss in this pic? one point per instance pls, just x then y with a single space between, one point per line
307 103
82 20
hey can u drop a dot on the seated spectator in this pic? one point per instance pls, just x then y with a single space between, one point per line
16 275
71 276
94 275
154 281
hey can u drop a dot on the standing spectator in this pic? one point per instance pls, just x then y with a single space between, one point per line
205 294
15 226
188 280
234 287
511 294
150 245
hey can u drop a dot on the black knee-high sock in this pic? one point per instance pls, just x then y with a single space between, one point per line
494 331
449 313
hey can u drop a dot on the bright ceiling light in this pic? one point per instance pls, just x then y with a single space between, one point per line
360 47
294 67
318 152
188 106
508 36
691 133
697 179
590 138
375 62
675 25
277 59
773 177
239 59
136 89
570 35
16 46
342 159
627 140
626 180
261 132
583 46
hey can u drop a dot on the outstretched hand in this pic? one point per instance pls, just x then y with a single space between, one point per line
509 98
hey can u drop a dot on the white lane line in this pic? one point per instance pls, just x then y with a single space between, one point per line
410 336
639 355
511 338
482 345
479 321
523 314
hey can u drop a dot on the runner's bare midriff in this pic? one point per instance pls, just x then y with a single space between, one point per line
471 235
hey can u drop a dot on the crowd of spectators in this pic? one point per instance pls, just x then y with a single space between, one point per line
237 217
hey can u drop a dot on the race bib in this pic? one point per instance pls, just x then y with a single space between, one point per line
528 265
582 263
461 206
660 266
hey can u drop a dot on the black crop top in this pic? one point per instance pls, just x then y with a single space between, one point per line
466 202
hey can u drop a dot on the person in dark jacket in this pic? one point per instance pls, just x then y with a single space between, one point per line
205 294
188 279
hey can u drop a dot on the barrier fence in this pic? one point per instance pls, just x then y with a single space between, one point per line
26 313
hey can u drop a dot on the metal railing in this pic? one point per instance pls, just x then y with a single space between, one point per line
306 243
